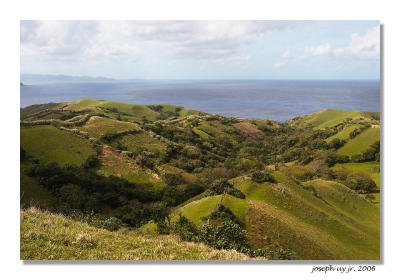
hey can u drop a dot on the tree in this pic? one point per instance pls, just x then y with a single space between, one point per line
262 176
360 181
336 143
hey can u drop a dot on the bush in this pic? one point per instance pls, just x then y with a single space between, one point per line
221 186
336 143
162 227
360 182
173 179
228 236
262 176
302 173
222 213
90 162
334 158
236 193
185 228
111 224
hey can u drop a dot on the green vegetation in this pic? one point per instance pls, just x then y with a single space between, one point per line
306 189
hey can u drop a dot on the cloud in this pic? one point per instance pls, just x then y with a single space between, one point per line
365 46
285 54
362 47
78 40
279 64
323 49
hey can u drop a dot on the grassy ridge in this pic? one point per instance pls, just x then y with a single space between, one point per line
132 112
54 237
326 118
98 126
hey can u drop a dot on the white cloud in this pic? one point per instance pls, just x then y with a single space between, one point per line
77 40
279 64
363 47
285 54
323 49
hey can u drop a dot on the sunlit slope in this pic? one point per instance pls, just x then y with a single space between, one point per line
361 142
49 144
331 117
344 134
99 126
55 237
325 118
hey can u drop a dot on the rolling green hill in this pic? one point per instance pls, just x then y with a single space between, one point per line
136 163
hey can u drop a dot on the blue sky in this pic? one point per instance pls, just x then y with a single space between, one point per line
202 49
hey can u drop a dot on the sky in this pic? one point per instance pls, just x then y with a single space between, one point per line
337 50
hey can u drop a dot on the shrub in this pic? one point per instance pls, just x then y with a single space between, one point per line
221 186
360 182
173 179
110 223
185 228
262 176
228 235
334 158
162 227
222 213
236 193
336 143
90 162
302 173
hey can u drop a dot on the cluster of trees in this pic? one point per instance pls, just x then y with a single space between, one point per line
358 181
221 186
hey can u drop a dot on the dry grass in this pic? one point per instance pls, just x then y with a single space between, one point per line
54 237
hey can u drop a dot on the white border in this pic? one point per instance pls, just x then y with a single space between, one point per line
12 12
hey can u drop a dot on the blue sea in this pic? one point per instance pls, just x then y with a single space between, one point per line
274 99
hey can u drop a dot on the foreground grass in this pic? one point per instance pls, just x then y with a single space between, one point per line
55 237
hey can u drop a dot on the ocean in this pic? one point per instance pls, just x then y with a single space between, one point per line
279 100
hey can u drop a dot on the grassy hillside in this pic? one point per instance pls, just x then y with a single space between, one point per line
98 126
326 118
141 163
46 236
344 134
361 142
50 144
330 118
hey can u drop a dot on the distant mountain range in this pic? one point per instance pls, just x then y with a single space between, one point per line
37 78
